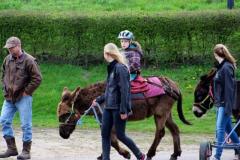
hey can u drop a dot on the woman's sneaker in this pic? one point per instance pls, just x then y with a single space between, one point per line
237 157
143 157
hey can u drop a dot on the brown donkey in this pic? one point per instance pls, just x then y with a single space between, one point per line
204 98
73 104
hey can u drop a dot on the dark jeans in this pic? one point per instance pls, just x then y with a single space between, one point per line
112 117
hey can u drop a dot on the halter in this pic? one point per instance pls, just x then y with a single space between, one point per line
72 111
209 96
86 112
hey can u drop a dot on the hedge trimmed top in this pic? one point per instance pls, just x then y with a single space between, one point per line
186 37
113 5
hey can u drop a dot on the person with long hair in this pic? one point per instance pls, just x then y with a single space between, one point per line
224 96
117 102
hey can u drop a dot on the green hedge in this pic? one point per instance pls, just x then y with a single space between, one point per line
166 38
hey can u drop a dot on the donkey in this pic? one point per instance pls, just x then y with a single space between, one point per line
73 104
203 94
204 100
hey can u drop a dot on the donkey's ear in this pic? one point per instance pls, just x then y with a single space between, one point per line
65 88
211 73
209 76
204 77
76 91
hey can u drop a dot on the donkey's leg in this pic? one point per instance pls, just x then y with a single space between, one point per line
160 132
115 144
173 128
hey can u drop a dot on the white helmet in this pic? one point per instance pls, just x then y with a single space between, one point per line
126 34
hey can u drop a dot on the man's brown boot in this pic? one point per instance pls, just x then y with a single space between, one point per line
11 148
25 151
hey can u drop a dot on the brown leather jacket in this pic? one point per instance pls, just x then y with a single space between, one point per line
20 75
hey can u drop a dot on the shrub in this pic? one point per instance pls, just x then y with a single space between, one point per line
166 38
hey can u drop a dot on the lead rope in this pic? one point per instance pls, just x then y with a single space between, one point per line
92 107
236 125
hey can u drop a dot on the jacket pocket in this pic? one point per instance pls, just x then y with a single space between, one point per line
20 72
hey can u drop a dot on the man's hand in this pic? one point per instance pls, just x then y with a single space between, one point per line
25 94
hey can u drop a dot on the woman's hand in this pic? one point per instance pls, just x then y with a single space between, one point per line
25 94
124 116
94 103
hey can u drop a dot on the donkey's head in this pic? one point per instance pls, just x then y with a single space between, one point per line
203 97
67 113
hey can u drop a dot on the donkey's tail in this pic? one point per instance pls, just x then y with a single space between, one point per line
180 111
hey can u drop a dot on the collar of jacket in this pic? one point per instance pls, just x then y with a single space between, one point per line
21 57
221 64
134 47
111 66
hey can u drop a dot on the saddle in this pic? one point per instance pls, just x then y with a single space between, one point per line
139 85
142 88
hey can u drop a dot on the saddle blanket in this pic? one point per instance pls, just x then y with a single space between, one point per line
153 87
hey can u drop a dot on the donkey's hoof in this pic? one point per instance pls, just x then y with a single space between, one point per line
99 157
127 155
173 158
148 158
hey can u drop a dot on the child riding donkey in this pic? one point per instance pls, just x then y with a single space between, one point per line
133 53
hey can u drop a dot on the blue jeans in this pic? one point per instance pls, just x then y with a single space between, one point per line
223 125
112 117
24 107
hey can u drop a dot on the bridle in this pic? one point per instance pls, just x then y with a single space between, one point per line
75 112
72 112
209 98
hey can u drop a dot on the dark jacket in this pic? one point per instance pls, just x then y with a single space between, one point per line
134 55
20 75
225 86
117 92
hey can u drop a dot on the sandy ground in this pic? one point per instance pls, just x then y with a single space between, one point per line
86 145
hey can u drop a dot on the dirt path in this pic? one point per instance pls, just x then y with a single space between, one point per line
86 145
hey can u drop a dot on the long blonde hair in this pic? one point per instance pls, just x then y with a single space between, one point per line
222 51
112 50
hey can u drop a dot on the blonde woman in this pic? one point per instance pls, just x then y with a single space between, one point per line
117 102
224 95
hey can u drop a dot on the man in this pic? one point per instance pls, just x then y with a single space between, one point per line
20 78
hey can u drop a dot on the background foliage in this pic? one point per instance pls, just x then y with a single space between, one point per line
114 5
172 33
166 38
